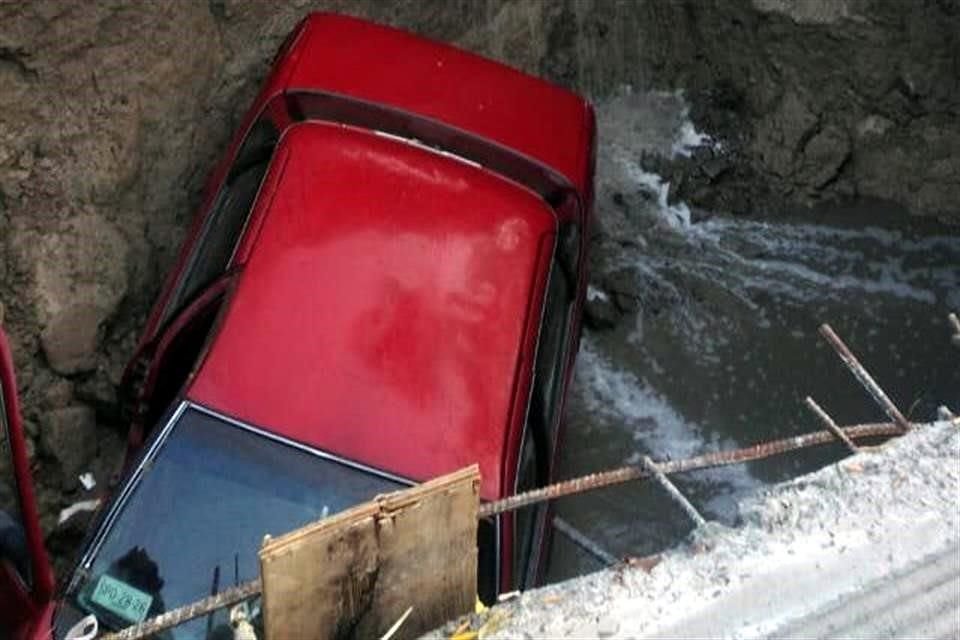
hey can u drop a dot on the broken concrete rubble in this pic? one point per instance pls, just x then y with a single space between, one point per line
802 545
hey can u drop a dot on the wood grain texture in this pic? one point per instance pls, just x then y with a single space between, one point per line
352 575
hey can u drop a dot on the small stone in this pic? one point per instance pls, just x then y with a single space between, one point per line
69 341
583 630
607 627
599 313
715 167
853 467
79 279
31 427
26 160
58 393
69 435
98 390
31 449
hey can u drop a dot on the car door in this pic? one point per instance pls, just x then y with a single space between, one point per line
26 577
174 359
541 434
194 291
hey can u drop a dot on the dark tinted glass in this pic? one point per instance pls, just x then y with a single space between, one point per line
220 236
225 223
526 519
551 355
488 560
198 516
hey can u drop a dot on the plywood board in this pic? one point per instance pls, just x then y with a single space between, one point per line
354 574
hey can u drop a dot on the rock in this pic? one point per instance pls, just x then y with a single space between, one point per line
583 631
58 393
822 157
715 167
599 312
873 125
30 427
99 391
70 339
80 276
886 167
608 627
69 435
778 136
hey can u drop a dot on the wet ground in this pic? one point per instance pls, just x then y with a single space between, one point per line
715 343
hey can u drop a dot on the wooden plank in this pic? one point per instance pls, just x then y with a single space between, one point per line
355 573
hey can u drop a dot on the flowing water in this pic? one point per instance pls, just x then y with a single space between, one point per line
719 343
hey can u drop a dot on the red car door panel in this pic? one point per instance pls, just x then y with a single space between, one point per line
26 578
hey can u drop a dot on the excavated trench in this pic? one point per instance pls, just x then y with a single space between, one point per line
704 335
808 172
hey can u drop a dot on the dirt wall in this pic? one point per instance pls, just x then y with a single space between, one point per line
111 113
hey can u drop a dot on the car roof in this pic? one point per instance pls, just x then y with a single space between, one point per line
385 66
382 310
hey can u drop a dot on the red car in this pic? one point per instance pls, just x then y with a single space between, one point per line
383 284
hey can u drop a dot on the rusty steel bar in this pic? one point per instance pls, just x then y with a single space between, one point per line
560 489
580 539
174 617
704 461
864 378
830 424
247 590
671 488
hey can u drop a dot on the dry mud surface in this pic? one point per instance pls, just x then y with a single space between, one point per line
859 537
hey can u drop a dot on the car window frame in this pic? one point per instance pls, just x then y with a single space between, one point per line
211 299
250 155
107 516
564 263
526 543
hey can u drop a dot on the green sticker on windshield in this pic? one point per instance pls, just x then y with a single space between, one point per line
117 597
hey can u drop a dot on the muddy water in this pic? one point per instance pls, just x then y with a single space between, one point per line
717 342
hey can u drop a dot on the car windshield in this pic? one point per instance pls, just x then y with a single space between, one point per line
193 523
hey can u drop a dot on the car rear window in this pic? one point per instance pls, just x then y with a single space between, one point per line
198 515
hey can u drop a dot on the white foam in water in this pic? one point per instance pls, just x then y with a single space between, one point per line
676 216
804 262
689 139
797 263
763 267
619 399
594 294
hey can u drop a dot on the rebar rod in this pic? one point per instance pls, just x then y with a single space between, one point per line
583 541
175 617
671 488
830 424
704 461
561 489
864 377
247 590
